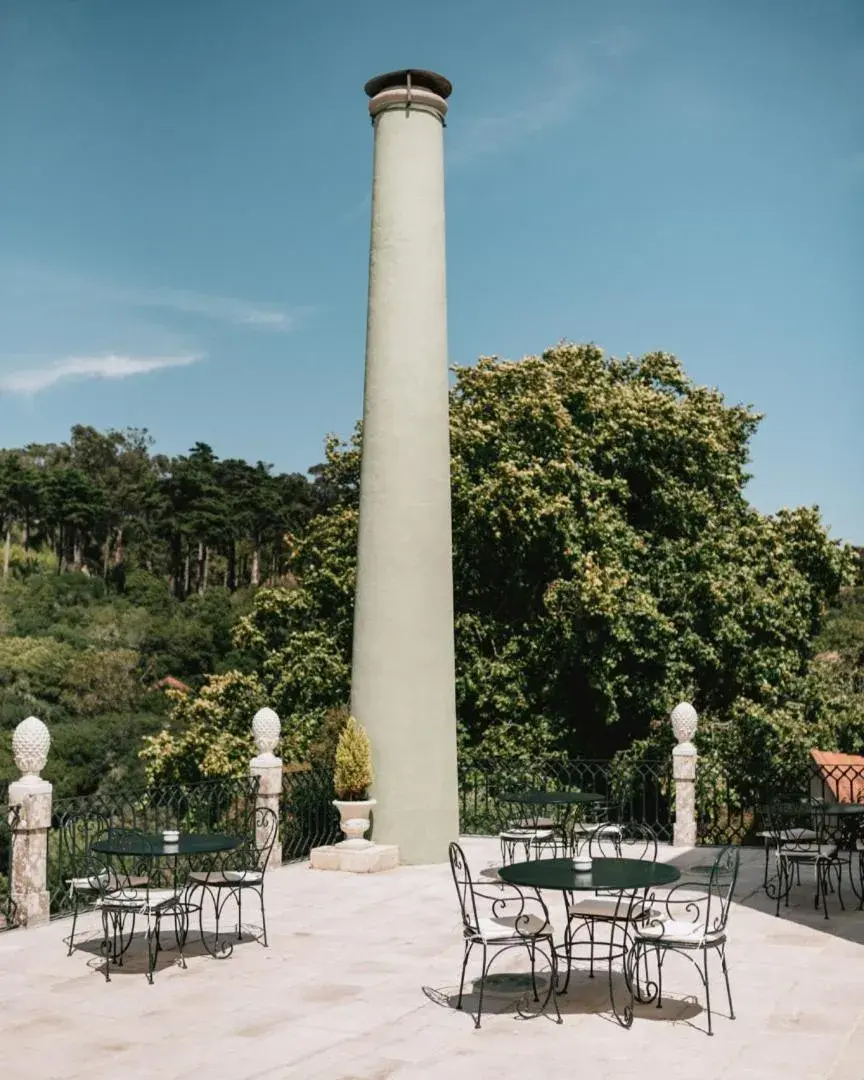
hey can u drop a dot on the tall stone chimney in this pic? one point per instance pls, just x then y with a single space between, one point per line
403 682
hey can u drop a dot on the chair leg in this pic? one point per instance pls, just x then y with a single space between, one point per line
726 977
568 948
152 949
482 988
707 988
239 914
660 956
263 918
74 920
469 945
590 925
106 946
532 952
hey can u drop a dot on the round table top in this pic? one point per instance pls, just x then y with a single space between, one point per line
613 874
846 809
155 846
552 798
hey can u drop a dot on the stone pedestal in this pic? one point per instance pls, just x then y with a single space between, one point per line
268 768
684 775
28 885
368 859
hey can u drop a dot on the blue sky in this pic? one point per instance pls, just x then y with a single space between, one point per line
184 211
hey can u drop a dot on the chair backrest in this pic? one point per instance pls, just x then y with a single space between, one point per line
796 826
464 886
130 858
721 887
76 832
260 843
633 840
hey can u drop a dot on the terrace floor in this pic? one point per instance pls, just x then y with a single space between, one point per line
339 995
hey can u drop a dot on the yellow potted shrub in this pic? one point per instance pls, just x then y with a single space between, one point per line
352 778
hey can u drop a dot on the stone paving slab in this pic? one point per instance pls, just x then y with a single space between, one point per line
339 995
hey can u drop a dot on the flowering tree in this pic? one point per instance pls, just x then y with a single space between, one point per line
606 562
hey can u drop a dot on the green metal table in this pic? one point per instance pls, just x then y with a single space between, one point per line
626 877
130 845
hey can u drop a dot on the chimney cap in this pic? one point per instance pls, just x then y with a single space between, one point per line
426 80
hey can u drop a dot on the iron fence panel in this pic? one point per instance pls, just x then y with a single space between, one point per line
9 817
308 817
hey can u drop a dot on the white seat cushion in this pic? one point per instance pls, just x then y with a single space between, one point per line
678 932
805 852
787 835
504 928
599 907
94 883
141 900
586 827
529 835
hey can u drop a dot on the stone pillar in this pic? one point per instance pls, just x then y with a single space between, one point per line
28 887
403 682
266 729
684 719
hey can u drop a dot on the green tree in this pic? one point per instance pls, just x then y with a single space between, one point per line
606 560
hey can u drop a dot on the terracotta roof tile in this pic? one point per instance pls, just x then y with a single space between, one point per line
842 775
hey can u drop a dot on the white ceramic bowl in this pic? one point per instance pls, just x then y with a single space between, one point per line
581 865
171 836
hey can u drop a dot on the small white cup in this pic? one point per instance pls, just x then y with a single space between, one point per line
171 836
581 863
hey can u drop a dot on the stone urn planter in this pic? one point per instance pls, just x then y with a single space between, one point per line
354 821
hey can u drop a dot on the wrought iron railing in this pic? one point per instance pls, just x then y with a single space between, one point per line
732 812
9 816
639 791
308 816
223 805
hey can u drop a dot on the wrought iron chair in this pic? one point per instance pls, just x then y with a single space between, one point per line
592 817
124 893
508 925
235 872
692 923
612 910
75 834
532 835
798 835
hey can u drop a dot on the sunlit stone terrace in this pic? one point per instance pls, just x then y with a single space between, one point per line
339 994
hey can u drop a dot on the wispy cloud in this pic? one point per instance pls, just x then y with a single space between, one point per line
56 287
32 380
260 316
547 100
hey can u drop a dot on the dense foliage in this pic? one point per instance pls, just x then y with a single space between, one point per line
104 503
606 564
122 567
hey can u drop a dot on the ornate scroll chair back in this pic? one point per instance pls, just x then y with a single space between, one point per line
720 890
266 830
637 841
464 888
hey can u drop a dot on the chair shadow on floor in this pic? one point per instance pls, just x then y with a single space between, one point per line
135 957
585 996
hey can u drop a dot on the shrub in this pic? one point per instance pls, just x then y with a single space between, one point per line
353 762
